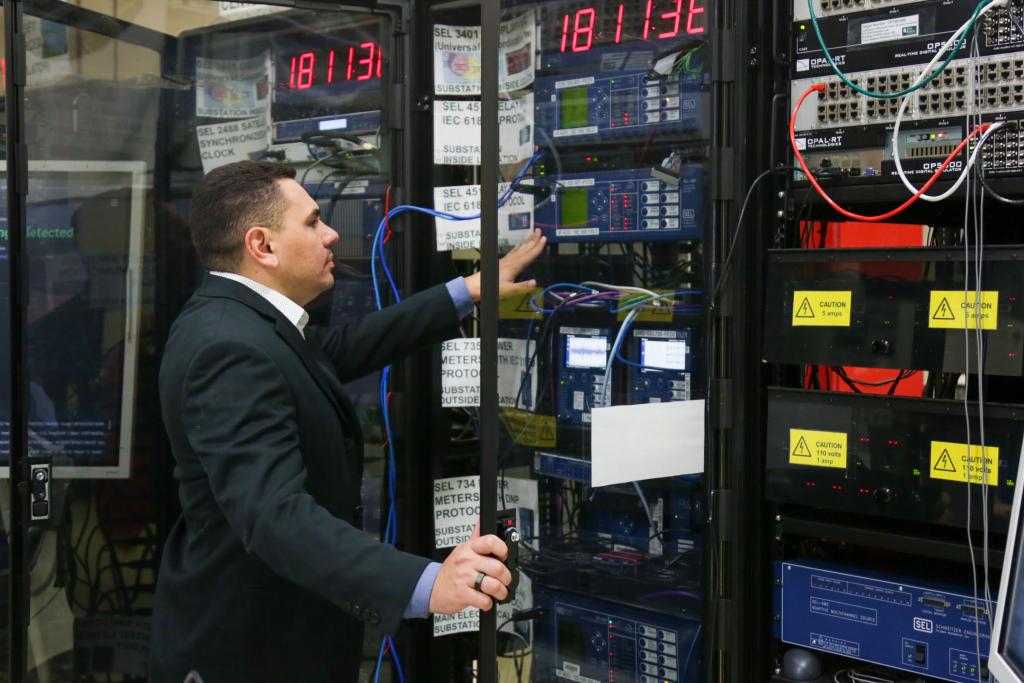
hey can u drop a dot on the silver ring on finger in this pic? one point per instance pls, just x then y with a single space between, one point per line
480 576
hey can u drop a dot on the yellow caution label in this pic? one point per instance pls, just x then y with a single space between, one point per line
955 310
662 312
967 464
529 429
822 309
817 449
518 307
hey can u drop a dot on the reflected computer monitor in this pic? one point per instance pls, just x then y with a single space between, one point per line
1006 659
84 252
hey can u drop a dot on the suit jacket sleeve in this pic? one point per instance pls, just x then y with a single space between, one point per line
367 344
240 420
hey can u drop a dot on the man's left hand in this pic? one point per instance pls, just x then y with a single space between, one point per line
509 268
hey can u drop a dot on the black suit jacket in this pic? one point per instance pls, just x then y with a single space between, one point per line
266 576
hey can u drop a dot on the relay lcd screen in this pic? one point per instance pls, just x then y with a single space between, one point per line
574 110
585 352
663 354
571 642
573 211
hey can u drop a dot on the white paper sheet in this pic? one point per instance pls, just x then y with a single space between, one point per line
646 441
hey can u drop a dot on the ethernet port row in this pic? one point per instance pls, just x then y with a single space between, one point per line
877 109
837 90
890 83
950 77
1001 95
832 5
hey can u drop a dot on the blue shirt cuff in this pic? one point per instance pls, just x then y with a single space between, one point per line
419 604
459 292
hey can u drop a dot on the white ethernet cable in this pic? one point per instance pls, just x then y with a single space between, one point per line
906 100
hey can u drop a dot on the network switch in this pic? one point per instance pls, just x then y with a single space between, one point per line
999 88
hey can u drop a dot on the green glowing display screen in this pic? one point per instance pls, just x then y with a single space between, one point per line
574 208
574 111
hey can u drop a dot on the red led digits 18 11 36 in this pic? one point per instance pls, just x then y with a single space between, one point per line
363 62
586 27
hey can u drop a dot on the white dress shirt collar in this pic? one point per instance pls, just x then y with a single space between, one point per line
295 313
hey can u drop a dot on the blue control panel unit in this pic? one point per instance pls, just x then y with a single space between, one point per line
924 628
561 467
619 518
582 358
615 104
590 641
624 206
666 357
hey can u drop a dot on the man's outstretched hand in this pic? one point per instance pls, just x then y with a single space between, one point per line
454 588
509 268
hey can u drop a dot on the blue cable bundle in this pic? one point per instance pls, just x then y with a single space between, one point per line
377 252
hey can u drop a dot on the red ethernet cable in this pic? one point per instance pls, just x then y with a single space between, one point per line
818 87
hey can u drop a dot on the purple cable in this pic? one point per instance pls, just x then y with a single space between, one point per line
592 297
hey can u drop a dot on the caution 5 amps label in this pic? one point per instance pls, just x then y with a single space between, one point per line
822 309
958 310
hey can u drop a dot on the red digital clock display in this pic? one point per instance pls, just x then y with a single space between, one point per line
362 62
644 20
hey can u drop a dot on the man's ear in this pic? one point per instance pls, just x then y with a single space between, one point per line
259 247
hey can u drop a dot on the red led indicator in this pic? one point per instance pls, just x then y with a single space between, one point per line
364 62
369 62
584 28
663 19
695 10
304 77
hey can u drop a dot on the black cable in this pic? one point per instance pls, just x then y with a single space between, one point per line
995 195
717 285
841 373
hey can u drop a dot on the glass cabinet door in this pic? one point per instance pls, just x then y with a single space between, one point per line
128 105
603 131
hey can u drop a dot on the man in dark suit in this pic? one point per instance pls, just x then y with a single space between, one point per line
266 576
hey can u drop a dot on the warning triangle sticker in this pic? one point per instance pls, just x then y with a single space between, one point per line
944 312
545 433
944 463
801 449
524 304
805 310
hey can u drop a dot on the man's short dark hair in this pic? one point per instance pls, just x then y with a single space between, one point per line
227 202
